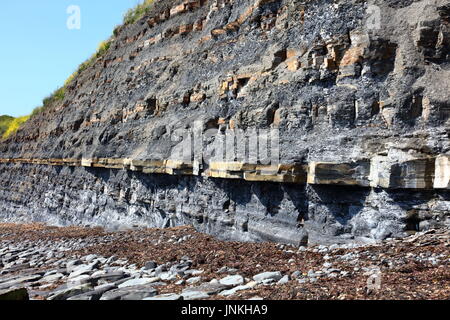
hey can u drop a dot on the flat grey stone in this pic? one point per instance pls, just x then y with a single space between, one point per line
193 272
84 297
232 280
181 268
130 293
233 291
83 269
274 276
207 288
194 295
95 294
167 276
168 296
79 280
71 265
90 258
18 281
109 276
193 280
150 265
283 280
105 287
64 294
138 282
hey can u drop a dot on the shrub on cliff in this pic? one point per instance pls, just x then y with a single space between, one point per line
103 47
5 121
14 125
57 95
137 12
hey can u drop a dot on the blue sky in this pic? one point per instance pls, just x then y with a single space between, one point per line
38 52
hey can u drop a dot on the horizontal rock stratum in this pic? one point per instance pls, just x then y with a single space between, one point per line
349 100
381 172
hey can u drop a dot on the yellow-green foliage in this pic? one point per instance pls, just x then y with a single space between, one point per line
14 125
70 79
5 121
103 47
57 95
137 12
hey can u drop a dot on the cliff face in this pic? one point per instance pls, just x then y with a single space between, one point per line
351 98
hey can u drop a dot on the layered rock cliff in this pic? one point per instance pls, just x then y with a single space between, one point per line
347 103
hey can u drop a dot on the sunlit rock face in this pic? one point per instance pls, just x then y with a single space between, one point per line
256 120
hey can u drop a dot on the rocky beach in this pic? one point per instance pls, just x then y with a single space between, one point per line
49 263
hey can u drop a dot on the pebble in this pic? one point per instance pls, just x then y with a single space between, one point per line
194 295
150 265
193 280
79 280
284 280
231 281
64 294
52 277
90 258
273 276
130 293
83 269
166 297
138 282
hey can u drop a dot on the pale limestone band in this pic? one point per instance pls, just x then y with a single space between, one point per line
379 172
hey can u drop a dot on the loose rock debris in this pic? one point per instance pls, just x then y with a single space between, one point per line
75 263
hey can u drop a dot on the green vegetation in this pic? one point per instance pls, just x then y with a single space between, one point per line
5 121
56 96
14 125
137 12
9 125
103 47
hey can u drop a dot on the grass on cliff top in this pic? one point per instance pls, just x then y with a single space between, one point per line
134 14
14 125
5 122
10 125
